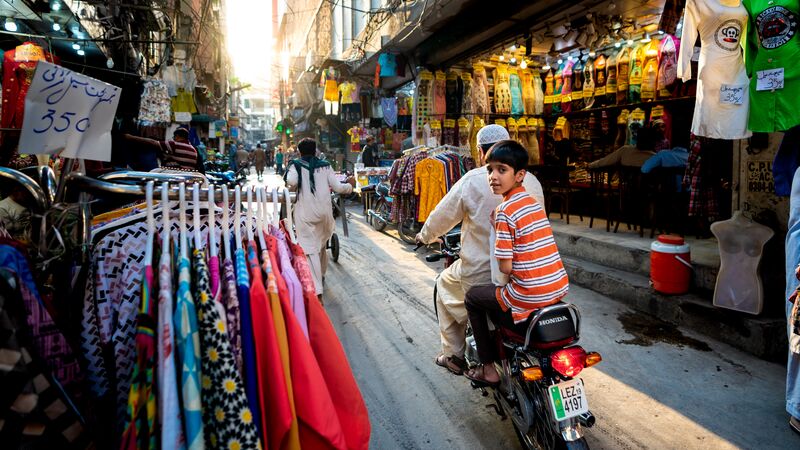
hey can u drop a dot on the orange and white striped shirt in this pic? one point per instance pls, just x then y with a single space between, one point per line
524 236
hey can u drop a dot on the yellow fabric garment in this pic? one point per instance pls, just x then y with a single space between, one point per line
183 102
331 91
117 214
292 442
346 89
429 184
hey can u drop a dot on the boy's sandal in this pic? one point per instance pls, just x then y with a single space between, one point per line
450 363
477 376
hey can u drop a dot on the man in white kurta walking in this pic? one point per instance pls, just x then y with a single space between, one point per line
313 212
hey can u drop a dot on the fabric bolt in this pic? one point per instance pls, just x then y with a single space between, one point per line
169 409
230 301
290 275
187 344
248 351
524 235
328 351
792 262
47 340
721 65
32 399
274 396
227 417
772 43
515 86
140 429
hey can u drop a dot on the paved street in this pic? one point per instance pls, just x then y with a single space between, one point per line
656 388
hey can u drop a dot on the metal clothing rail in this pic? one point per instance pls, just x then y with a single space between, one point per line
82 183
143 177
28 183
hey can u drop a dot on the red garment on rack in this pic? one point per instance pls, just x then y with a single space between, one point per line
17 78
276 412
319 422
332 361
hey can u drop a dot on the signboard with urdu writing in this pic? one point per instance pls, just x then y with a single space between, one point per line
69 114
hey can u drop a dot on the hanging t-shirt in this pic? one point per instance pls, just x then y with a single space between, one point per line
388 63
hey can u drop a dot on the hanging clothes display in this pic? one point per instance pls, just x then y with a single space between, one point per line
588 83
423 104
480 92
180 81
723 102
667 66
611 80
528 94
566 87
623 74
515 88
577 86
330 96
454 93
154 106
502 90
635 79
439 95
772 44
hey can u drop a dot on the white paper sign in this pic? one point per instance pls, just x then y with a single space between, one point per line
732 94
769 80
68 113
183 117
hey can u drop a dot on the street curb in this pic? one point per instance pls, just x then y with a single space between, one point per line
762 337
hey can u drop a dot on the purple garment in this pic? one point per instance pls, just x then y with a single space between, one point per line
292 281
230 301
213 268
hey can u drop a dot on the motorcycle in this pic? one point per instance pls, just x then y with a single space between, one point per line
379 216
539 389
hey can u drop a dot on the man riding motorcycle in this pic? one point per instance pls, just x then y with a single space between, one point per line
469 202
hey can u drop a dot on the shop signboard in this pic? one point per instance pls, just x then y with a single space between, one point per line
68 113
183 117
759 176
235 132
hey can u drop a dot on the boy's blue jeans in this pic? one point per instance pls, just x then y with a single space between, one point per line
792 260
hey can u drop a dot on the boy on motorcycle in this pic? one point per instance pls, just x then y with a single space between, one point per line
525 251
469 202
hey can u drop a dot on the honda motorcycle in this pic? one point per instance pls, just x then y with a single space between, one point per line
540 388
380 214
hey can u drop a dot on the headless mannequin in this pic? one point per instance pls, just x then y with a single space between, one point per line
741 243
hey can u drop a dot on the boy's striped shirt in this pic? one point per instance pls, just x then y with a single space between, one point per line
524 235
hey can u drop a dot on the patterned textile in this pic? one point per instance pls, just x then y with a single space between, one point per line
702 196
248 345
140 432
278 239
48 341
169 409
34 412
187 342
228 420
231 303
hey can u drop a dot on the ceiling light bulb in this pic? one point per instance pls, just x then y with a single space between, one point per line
56 6
546 67
110 63
81 52
660 31
56 26
10 25
76 46
617 44
560 61
513 47
630 41
502 58
612 6
513 60
592 54
523 65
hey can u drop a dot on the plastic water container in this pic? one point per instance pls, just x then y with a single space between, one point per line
670 265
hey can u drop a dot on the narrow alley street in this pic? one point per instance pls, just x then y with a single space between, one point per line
656 387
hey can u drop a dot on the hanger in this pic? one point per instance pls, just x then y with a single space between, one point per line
249 219
226 230
212 228
165 230
276 207
289 225
151 224
237 216
198 238
182 215
260 219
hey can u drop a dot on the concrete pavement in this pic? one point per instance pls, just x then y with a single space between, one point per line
658 387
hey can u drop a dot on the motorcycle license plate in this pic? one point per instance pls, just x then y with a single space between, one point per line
568 399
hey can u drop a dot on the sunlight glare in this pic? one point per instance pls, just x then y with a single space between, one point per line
249 38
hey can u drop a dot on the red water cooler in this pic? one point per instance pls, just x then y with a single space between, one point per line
670 265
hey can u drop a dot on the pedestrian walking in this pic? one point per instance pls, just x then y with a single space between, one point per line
279 161
260 160
243 159
314 179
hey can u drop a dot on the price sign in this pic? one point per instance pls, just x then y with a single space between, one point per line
68 113
769 80
732 94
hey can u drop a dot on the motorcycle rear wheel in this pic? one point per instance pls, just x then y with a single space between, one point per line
381 210
541 435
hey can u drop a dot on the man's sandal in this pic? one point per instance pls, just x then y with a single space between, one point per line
454 364
477 376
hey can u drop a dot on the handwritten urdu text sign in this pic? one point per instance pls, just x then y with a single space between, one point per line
69 114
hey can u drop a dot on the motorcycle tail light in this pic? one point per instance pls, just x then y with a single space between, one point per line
532 373
569 361
593 358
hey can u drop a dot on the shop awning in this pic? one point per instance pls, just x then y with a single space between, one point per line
203 118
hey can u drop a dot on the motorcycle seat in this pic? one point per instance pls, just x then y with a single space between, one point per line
368 188
555 326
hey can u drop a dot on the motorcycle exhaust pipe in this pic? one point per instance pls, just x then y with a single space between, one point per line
587 419
375 215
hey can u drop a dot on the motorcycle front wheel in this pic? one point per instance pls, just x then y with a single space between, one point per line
408 230
381 210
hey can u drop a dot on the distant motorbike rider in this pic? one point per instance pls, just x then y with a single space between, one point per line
470 202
